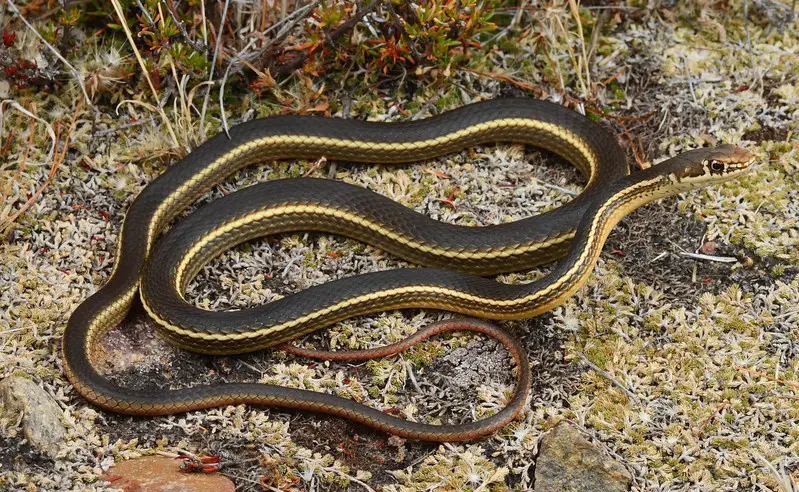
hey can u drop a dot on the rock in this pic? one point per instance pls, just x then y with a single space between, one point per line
41 415
568 462
162 474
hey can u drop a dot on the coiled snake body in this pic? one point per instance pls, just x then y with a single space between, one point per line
458 254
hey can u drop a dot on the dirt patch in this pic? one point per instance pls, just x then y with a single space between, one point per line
648 244
767 134
17 455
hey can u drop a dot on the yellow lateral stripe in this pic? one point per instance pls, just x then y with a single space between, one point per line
594 231
360 221
289 140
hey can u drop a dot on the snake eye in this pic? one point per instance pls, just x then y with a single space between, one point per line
716 166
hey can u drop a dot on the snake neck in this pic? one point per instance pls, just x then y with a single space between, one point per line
608 209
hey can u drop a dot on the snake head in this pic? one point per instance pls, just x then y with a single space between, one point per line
707 166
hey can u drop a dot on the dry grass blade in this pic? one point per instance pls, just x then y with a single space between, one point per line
7 222
211 68
583 62
122 20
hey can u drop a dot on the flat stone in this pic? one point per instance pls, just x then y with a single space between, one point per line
162 474
568 462
41 415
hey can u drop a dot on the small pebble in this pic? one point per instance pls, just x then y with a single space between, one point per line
41 415
567 461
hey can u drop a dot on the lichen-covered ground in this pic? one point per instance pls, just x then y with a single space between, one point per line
686 369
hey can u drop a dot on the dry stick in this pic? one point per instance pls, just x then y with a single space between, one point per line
14 104
263 16
715 412
286 25
181 25
238 56
690 81
398 25
638 159
205 26
607 376
771 378
55 52
507 78
123 22
614 76
151 22
109 131
556 64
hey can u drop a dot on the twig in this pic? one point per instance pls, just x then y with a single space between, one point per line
690 81
656 258
398 25
205 26
720 259
286 26
596 33
561 189
194 44
506 78
20 169
712 415
638 159
348 477
770 378
614 76
289 22
613 7
607 376
149 17
55 52
409 371
151 22
233 60
316 165
24 111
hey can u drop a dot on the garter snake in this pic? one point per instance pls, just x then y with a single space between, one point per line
454 255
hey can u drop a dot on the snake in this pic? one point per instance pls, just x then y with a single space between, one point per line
455 263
